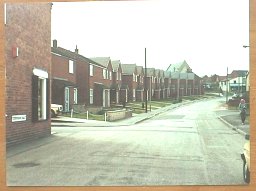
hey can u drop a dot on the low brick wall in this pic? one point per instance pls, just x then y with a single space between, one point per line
84 109
118 114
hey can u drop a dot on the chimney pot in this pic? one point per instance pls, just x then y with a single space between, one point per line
55 43
76 50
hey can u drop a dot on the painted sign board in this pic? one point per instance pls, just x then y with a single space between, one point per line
16 118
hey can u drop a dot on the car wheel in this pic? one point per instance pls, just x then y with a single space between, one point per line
53 113
246 173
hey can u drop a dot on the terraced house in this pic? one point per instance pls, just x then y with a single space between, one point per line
116 82
129 78
64 77
140 84
100 81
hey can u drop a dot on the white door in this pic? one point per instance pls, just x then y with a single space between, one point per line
66 99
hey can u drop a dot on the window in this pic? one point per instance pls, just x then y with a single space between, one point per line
75 95
134 95
91 70
120 76
104 73
71 66
134 77
40 95
91 96
110 75
234 81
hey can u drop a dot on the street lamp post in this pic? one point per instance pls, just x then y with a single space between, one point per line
227 87
145 83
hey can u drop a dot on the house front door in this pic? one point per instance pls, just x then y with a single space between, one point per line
66 104
106 98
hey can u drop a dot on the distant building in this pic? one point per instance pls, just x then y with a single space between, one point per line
183 81
236 82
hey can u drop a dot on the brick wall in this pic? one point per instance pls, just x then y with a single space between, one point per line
82 80
28 27
60 68
128 80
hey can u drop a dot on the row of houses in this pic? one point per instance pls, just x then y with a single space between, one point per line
38 74
235 82
102 82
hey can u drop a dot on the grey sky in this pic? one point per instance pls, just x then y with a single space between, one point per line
208 34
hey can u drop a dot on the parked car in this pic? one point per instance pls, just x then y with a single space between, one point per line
246 159
56 110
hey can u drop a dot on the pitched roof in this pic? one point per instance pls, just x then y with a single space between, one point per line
115 65
178 67
150 72
162 74
140 70
157 72
238 73
129 68
104 61
71 55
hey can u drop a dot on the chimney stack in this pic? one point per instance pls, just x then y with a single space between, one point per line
55 43
76 50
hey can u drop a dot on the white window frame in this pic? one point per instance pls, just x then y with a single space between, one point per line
91 70
42 76
104 72
91 96
110 75
75 95
43 100
71 66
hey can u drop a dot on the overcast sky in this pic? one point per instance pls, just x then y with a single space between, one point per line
208 34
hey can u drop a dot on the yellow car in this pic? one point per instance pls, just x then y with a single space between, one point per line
246 159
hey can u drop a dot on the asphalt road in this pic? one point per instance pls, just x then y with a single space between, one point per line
185 146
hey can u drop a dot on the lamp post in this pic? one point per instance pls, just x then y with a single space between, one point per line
145 83
245 46
227 87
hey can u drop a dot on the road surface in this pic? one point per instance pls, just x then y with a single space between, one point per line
185 146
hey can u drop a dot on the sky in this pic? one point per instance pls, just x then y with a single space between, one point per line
208 34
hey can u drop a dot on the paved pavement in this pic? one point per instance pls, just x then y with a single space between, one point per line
230 117
136 118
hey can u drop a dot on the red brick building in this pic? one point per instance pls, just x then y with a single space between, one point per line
116 82
129 78
140 84
64 77
28 71
100 81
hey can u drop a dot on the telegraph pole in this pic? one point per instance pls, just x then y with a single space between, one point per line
227 87
145 83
